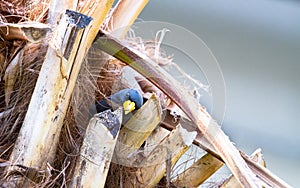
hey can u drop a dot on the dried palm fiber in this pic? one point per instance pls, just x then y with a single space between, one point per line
108 78
19 100
36 10
26 76
25 72
8 49
14 11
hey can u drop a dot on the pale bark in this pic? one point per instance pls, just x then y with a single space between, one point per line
137 130
200 171
97 150
164 156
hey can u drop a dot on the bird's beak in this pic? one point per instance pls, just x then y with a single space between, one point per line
128 106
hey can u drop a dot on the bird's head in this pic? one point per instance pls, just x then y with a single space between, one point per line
133 100
130 99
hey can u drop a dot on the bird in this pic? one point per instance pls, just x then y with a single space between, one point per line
129 99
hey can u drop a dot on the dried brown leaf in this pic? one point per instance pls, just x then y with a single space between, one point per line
30 31
11 74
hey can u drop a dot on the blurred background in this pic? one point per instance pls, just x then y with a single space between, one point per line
257 44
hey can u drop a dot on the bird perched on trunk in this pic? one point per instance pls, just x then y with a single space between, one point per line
129 99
